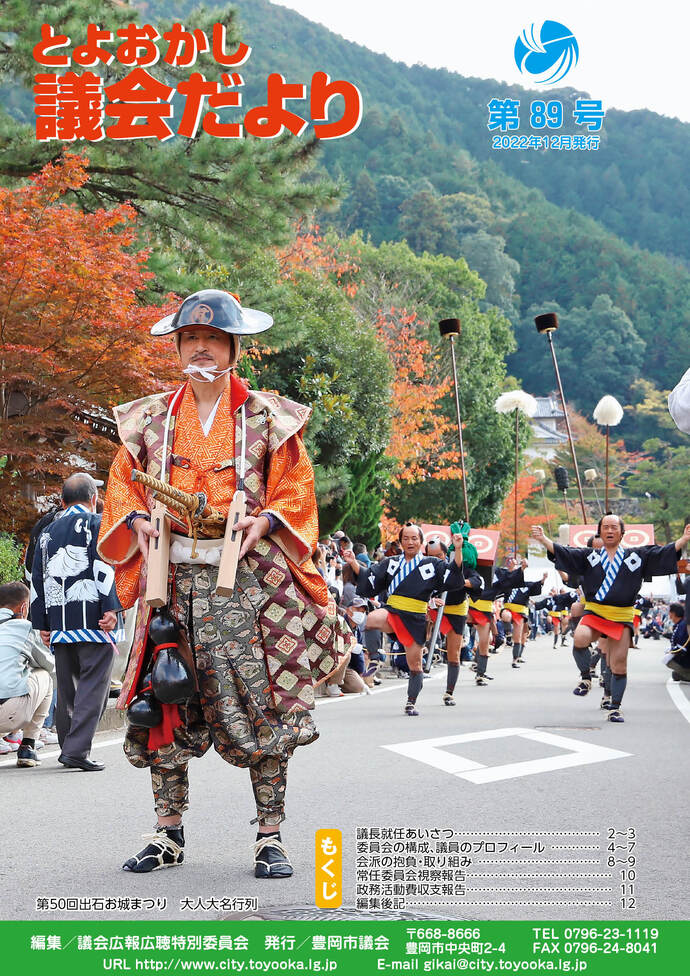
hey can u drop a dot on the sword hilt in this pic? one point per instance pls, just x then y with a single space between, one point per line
166 492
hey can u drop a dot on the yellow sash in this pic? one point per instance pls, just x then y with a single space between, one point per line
459 609
622 615
517 607
406 603
486 606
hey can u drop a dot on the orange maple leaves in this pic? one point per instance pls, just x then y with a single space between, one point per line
73 332
422 439
526 486
70 317
309 251
419 431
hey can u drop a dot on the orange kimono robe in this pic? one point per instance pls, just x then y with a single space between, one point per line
278 479
289 492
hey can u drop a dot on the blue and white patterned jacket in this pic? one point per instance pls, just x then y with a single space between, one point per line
71 588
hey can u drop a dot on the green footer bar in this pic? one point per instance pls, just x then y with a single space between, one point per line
377 946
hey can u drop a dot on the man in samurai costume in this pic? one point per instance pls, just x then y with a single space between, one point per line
481 610
611 579
516 605
456 607
258 652
409 581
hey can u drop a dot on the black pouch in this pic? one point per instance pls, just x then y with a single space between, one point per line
173 676
145 710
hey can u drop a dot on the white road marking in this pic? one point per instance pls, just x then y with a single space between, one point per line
390 686
99 744
432 753
54 753
678 698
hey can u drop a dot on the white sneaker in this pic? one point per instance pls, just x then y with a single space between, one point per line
38 744
5 747
12 743
333 691
50 738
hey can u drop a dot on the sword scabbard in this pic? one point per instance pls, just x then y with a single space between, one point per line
231 546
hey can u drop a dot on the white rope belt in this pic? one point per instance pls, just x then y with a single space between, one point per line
208 550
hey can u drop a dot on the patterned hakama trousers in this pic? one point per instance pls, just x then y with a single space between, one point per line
235 710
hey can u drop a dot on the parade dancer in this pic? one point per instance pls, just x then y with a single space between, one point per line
455 612
554 615
409 581
257 651
587 659
558 605
642 605
611 579
564 601
517 606
482 610
545 603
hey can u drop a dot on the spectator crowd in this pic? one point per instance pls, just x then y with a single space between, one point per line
55 676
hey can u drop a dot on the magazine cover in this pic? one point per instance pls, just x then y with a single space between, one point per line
344 511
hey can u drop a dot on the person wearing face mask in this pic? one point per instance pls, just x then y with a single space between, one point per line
358 616
259 651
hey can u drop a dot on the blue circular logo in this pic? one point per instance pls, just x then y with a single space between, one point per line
547 55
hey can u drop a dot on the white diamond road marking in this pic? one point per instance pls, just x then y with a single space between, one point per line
433 753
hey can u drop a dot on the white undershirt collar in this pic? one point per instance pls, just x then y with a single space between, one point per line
208 423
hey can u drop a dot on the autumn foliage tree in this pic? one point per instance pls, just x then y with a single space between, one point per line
73 334
401 296
406 295
527 488
199 200
418 429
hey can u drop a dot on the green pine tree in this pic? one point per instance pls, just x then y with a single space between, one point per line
199 200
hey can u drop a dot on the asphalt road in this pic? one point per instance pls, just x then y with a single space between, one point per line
66 833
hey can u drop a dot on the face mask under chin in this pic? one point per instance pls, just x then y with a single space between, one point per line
205 374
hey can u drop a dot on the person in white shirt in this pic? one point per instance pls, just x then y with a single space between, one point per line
26 670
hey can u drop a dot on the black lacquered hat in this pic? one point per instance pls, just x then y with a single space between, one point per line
214 309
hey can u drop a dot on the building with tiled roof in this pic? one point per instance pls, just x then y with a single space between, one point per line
548 428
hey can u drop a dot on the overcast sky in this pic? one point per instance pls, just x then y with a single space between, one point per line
632 55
